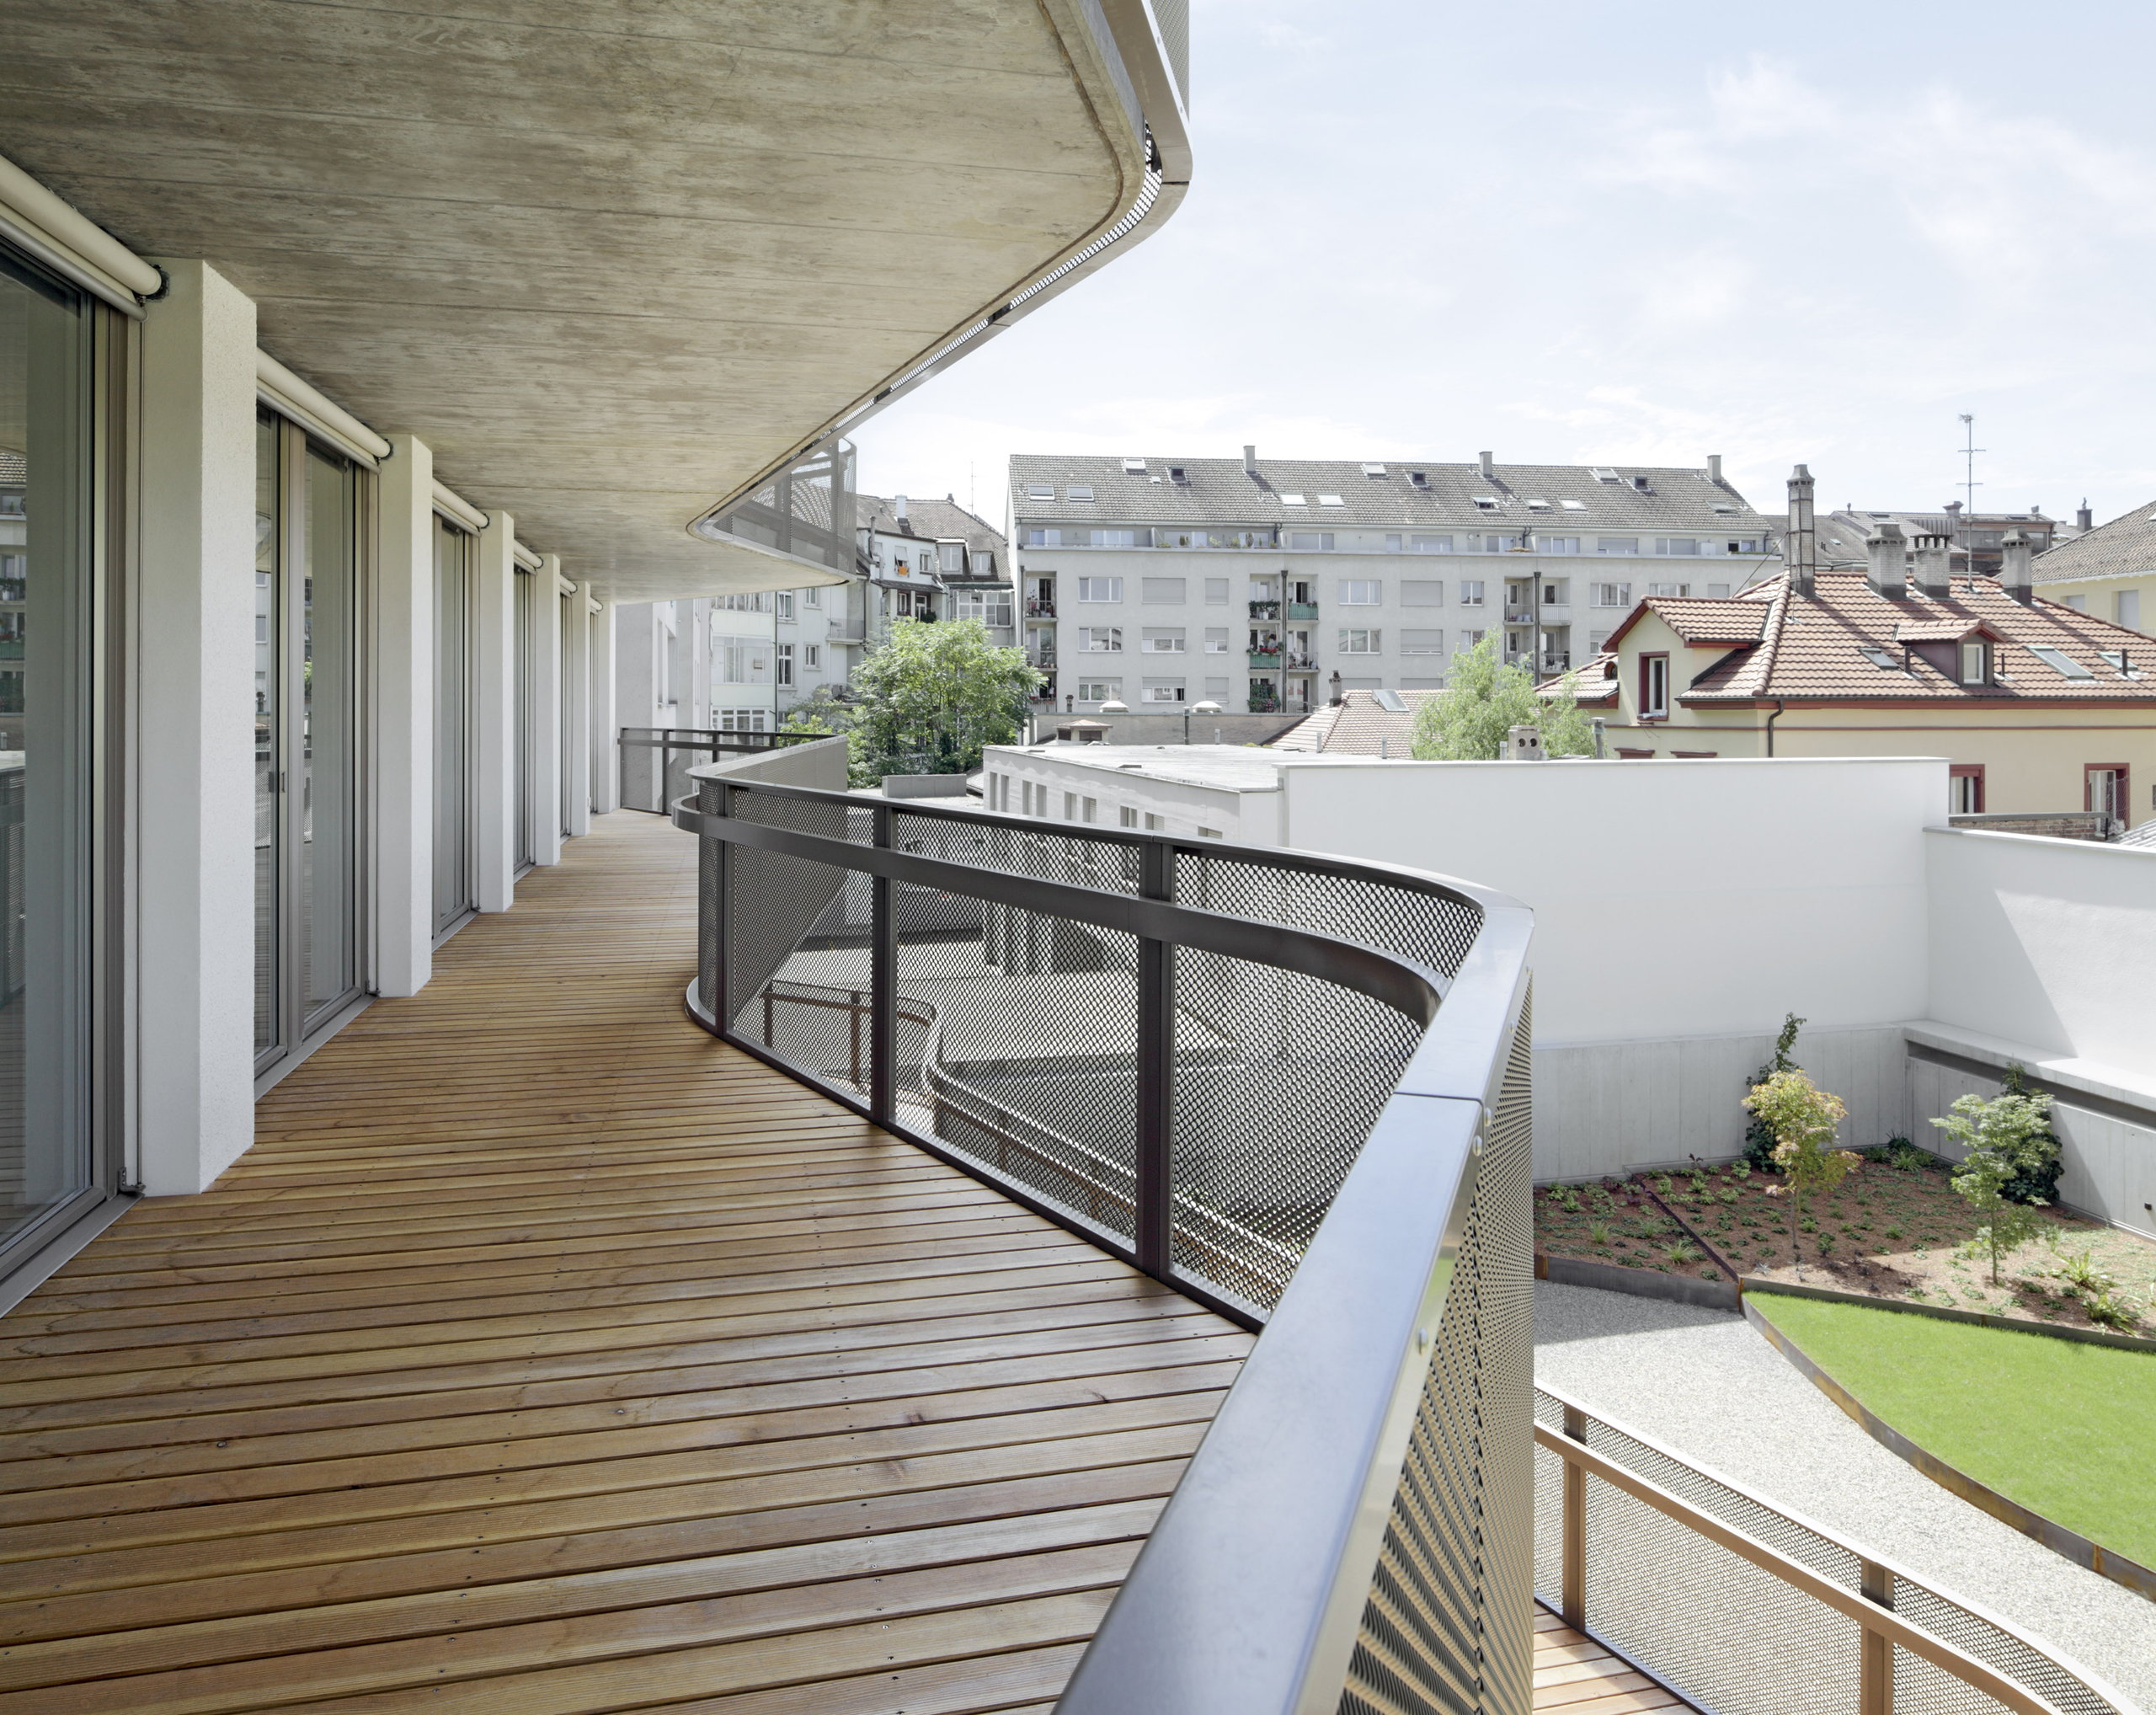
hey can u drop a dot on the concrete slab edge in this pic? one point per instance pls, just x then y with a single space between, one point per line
1942 1312
1640 1283
2130 1574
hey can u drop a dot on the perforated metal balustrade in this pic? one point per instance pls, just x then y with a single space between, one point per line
1179 1049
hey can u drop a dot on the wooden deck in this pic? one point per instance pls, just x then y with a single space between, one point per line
546 1355
1575 1675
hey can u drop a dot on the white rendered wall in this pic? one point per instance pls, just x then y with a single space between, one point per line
2051 943
404 722
495 788
196 625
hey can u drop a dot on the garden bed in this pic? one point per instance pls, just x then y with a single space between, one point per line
1895 1231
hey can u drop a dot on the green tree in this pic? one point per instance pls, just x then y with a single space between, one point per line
1759 1136
2006 1138
2040 1184
819 714
930 695
1483 702
1803 1118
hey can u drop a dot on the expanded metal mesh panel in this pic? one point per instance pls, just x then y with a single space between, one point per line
1736 1637
1413 922
1279 1079
1449 1626
1102 866
1018 1040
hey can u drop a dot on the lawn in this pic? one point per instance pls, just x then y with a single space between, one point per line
2057 1425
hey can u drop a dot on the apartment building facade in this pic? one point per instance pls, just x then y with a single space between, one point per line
1272 584
2109 572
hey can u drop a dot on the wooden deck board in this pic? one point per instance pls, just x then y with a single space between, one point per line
1575 1675
544 1354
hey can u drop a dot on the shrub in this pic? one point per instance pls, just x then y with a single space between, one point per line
1759 1136
2038 1184
2006 1138
1803 1118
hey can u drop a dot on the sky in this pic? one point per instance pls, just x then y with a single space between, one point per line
1632 233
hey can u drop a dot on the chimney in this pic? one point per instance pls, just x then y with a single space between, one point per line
1935 566
1489 470
1953 510
2014 575
1714 468
1884 548
898 507
1799 554
2084 520
1250 461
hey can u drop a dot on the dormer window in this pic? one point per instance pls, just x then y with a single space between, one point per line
1976 663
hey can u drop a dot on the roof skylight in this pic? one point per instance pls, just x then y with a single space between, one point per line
1420 479
2060 662
1177 474
1373 470
1881 659
1573 506
1040 491
1293 500
1603 473
1538 505
2122 660
1488 503
1390 701
1134 466
1330 501
1079 491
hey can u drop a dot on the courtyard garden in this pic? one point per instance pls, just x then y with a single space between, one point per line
2061 1426
1894 1227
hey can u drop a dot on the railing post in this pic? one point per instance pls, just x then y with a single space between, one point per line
1877 1694
715 881
1574 1593
853 1023
882 986
1153 1217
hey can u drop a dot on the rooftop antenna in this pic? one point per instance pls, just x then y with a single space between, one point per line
1969 452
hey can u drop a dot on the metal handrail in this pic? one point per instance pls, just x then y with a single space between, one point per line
1871 1604
1254 1590
714 742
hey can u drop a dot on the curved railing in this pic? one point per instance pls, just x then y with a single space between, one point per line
1746 1608
1295 1088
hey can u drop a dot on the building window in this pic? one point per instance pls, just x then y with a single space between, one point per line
1164 639
1071 806
2104 789
1414 593
1216 592
1128 816
1309 541
1100 639
1965 789
952 555
1676 544
1557 595
1100 589
1421 643
1361 592
1654 687
1216 639
1099 690
1679 590
1089 809
813 597
1470 592
1611 594
2126 605
1717 592
1976 664
1154 824
1160 592
786 667
2079 604
1429 544
1357 641
1164 690
783 604
1209 833
1616 544
1557 544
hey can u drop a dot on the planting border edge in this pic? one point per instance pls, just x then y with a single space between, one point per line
1902 1306
2105 1562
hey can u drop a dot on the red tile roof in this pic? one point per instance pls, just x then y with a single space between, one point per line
1813 646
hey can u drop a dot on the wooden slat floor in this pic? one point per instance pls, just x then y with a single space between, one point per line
1575 1675
546 1355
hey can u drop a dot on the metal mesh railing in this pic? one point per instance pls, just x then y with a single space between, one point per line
655 761
1740 1637
1181 1053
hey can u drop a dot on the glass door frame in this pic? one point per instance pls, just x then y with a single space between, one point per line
524 611
106 531
468 683
300 1028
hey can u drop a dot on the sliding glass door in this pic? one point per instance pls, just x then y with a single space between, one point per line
527 620
455 871
306 740
49 1169
565 702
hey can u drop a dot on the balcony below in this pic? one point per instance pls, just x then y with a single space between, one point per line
545 1354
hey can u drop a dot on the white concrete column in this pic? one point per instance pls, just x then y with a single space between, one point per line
606 720
577 733
404 721
547 692
495 788
195 729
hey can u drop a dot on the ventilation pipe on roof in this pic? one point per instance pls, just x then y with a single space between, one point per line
1714 468
1489 470
1885 549
1935 566
1250 461
2014 573
2084 519
1799 551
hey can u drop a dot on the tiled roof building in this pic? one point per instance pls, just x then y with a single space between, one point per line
2110 570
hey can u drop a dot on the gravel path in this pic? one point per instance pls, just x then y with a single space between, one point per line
1708 1384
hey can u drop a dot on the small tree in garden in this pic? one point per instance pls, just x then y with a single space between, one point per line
2038 1184
2007 1138
1759 1136
1484 701
929 697
1802 1118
